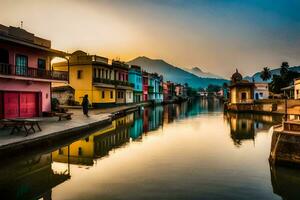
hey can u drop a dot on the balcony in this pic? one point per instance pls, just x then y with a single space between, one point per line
29 72
112 82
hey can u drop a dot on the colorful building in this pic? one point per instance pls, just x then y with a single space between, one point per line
124 90
241 91
145 85
261 91
135 77
168 91
155 88
26 74
91 75
297 88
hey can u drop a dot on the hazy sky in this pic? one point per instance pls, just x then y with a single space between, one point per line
216 35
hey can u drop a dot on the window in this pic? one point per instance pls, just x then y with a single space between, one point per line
261 94
103 94
111 94
244 96
79 74
41 64
21 64
4 57
95 73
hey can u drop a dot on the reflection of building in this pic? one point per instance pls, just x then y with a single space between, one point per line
84 151
241 128
81 152
30 178
285 182
104 143
155 118
244 126
136 129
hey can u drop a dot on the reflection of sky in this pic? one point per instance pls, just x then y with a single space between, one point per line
191 158
216 35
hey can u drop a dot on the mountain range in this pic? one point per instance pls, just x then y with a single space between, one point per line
195 77
276 71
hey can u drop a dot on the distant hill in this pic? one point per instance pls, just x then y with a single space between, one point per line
173 73
276 71
198 72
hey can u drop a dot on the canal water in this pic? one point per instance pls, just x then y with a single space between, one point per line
188 151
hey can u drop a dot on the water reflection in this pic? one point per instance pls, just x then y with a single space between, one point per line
245 126
30 178
286 182
36 176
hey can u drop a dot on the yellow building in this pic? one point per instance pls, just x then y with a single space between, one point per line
241 91
83 151
91 75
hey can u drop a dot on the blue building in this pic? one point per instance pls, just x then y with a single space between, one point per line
135 77
155 89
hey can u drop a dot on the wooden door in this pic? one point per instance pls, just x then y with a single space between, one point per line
1 105
28 104
11 104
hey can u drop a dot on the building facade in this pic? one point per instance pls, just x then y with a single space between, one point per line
90 75
145 85
26 74
135 77
297 88
124 90
168 91
261 91
155 88
241 91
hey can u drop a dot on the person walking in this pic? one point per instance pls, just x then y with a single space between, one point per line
85 105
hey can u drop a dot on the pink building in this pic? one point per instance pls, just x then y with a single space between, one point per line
25 73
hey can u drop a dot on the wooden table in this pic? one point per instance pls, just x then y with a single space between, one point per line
19 123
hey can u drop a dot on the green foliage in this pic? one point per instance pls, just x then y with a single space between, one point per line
54 104
284 69
265 74
213 88
283 80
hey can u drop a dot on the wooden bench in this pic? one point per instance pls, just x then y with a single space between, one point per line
18 124
63 115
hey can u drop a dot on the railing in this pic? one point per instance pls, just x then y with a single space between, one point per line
7 69
112 82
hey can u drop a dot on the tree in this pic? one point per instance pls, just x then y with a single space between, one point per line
213 88
265 74
284 68
225 85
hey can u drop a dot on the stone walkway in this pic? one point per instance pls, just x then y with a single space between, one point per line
52 126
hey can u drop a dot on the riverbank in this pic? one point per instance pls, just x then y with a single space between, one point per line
266 106
54 131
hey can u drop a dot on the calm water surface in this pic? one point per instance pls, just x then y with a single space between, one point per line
188 151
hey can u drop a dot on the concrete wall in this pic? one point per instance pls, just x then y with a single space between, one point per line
297 89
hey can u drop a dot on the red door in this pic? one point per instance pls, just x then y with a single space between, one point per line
28 104
11 102
1 106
